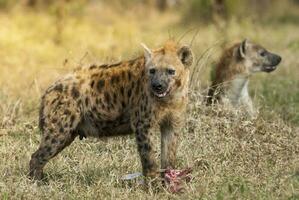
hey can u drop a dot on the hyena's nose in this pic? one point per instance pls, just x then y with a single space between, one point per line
157 86
278 59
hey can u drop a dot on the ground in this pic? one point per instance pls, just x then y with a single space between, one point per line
232 158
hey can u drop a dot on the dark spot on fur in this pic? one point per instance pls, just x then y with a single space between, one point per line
100 85
146 147
75 93
92 67
65 88
114 65
79 102
178 83
98 101
110 105
146 100
86 101
114 98
143 108
133 84
95 75
146 125
122 90
53 141
67 112
47 137
142 73
123 74
133 63
137 91
61 129
92 84
41 155
138 85
146 115
103 66
78 76
53 101
54 120
72 119
58 88
41 117
114 79
117 79
123 104
141 137
107 97
129 75
129 92
48 149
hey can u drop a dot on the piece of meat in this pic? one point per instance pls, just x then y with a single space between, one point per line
174 179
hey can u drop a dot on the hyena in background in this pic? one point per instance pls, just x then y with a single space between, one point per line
232 73
135 96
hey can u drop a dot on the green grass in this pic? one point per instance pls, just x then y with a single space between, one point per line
231 157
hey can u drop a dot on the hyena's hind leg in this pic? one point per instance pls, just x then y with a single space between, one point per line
59 131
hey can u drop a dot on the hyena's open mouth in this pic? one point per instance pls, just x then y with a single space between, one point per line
274 61
269 68
161 94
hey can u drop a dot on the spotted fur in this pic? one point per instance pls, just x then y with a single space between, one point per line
116 100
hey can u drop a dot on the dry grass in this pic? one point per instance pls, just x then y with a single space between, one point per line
232 158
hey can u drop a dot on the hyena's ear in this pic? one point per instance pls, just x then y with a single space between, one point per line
186 56
147 53
242 48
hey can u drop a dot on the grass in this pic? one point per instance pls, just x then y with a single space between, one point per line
232 157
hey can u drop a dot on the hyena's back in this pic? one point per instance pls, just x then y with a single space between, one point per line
100 95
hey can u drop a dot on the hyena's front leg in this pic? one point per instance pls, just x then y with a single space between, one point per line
169 143
144 138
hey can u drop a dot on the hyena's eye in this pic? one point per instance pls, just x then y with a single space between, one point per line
263 53
152 71
171 71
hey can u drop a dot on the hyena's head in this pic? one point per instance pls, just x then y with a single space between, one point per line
256 58
167 70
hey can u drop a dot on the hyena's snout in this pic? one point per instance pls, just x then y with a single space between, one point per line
273 62
276 59
160 88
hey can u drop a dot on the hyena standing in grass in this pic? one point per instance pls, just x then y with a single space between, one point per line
231 76
133 96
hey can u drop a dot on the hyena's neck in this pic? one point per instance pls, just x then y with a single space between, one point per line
237 88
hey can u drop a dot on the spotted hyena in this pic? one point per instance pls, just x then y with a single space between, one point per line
135 96
232 73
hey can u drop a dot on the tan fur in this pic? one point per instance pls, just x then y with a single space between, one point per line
114 100
232 73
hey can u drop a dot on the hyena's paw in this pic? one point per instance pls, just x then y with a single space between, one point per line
35 172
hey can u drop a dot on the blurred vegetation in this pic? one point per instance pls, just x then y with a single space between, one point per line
258 10
232 158
193 10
